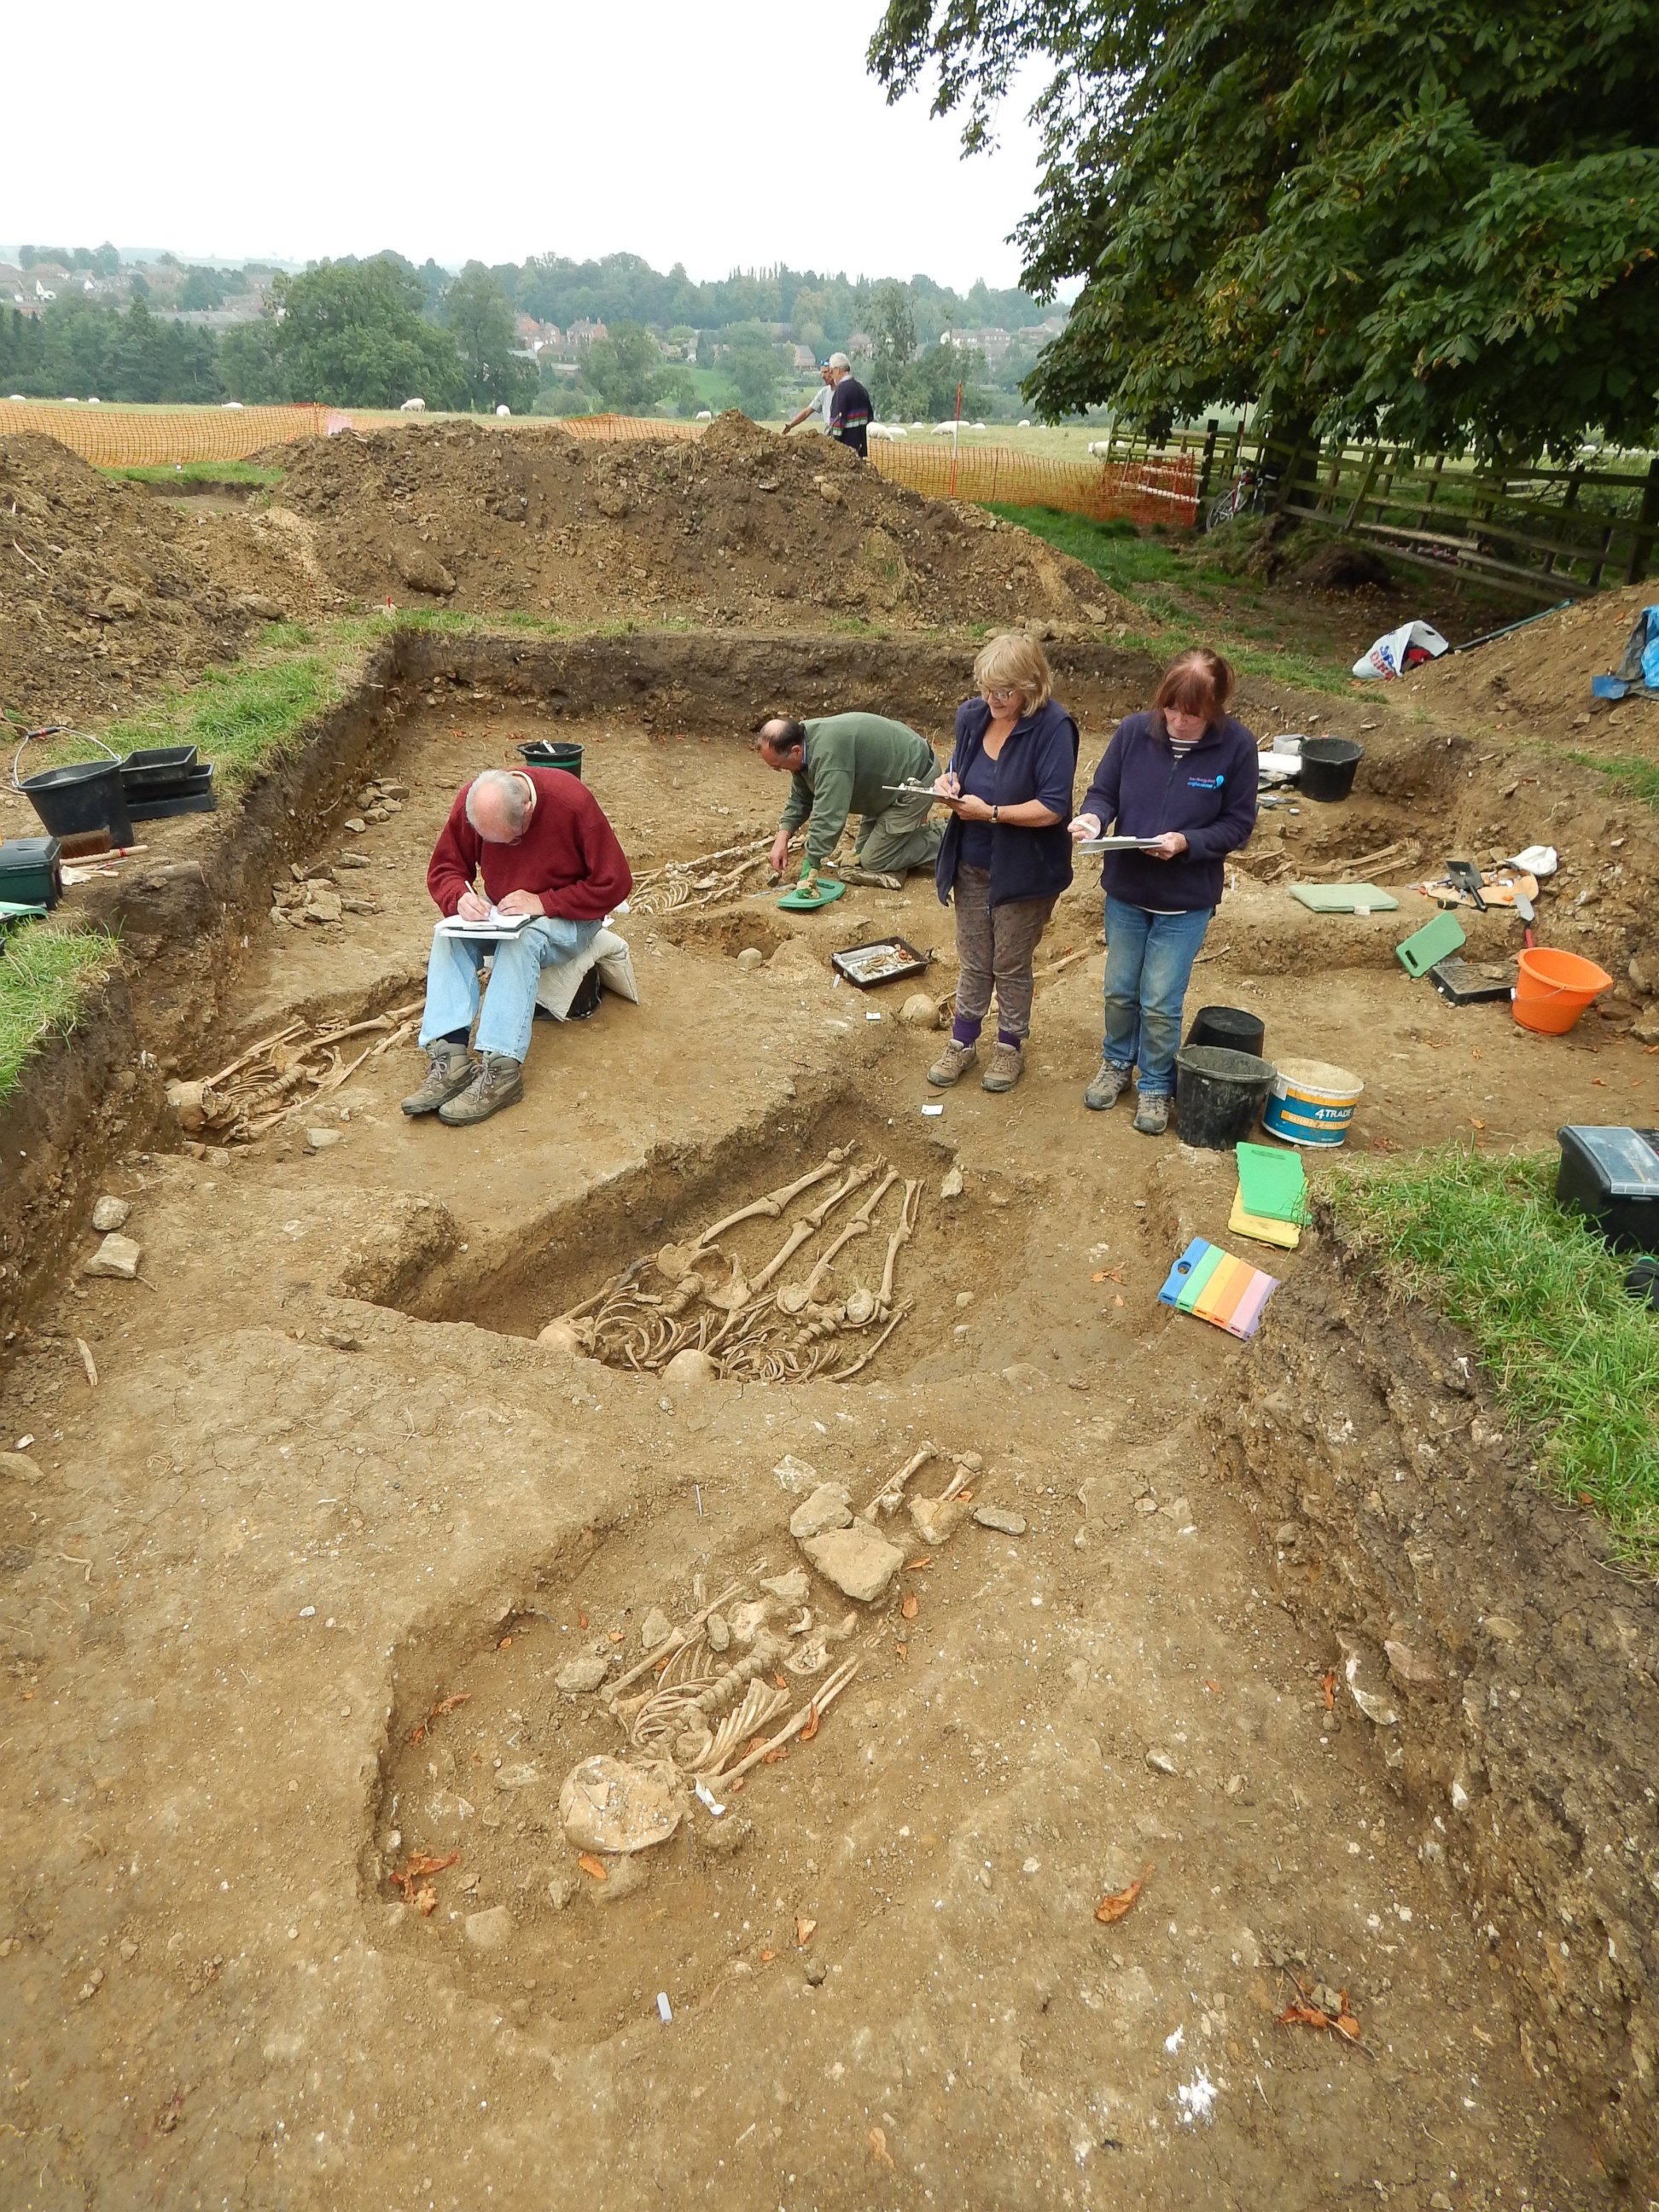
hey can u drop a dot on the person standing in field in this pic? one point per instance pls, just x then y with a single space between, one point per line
1181 776
818 405
849 407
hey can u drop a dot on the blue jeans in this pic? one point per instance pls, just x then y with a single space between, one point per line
452 990
1149 957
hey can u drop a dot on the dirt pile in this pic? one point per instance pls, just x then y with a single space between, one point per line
104 587
742 526
1540 676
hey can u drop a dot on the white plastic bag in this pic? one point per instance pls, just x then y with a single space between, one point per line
1387 657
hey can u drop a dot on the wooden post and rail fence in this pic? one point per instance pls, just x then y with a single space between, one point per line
1535 533
1533 530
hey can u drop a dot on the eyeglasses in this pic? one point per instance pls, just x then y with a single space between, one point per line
1011 691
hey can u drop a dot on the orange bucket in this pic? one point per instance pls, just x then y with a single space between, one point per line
1551 989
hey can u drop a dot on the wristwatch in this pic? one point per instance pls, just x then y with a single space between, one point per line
996 814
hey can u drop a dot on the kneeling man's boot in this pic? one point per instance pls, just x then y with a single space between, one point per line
498 1082
449 1068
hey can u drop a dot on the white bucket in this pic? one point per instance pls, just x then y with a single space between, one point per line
1311 1102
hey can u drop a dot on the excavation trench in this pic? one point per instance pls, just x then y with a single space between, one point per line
645 1269
327 1482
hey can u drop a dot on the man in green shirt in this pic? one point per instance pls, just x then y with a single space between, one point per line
842 764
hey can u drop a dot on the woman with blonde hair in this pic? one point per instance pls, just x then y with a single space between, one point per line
1182 777
1005 857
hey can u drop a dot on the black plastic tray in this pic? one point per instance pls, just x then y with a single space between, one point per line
145 806
1467 983
158 760
856 958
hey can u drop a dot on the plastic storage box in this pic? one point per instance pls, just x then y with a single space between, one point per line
29 872
1611 1177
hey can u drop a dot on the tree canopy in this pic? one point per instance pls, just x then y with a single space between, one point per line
354 336
1435 220
909 379
480 315
625 368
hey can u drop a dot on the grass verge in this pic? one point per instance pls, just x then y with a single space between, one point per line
1574 1359
46 975
1638 777
197 472
1151 571
247 715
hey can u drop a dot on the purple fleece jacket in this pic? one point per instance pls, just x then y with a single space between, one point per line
1210 797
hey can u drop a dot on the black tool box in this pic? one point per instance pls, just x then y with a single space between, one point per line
1611 1177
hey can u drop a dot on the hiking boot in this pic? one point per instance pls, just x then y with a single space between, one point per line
1110 1082
1151 1115
872 878
953 1062
449 1068
1007 1066
498 1082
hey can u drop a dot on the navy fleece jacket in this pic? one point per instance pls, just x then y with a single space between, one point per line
1037 761
1209 796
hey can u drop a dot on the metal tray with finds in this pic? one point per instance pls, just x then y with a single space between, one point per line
883 962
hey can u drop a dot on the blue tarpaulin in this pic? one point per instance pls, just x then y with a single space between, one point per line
1639 670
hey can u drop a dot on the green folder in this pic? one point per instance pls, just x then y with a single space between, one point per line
1192 1289
1344 898
1272 1183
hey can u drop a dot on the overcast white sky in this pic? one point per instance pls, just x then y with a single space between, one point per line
733 133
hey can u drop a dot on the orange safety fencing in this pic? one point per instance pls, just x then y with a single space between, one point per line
620 429
140 437
1162 490
1162 487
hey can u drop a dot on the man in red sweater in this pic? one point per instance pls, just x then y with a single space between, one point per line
539 844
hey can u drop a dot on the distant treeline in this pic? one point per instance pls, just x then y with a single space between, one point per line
79 350
374 332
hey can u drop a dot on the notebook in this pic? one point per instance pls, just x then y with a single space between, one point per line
493 926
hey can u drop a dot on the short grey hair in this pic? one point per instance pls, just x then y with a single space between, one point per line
510 792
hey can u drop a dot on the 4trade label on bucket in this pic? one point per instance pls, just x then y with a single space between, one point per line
1311 1102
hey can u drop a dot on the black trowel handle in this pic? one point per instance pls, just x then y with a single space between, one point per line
1467 877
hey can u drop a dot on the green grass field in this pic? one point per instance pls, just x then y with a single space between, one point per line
1573 1358
1179 584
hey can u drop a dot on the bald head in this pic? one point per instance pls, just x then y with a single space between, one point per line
781 743
499 805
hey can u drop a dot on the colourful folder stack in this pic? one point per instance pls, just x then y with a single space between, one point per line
1273 1196
1212 1285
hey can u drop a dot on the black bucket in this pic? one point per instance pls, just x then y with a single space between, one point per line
1230 1027
553 753
1327 767
1219 1094
88 796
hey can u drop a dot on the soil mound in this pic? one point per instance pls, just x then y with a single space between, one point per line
1541 673
740 526
104 587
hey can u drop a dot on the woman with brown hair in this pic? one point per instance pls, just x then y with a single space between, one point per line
1183 778
1005 858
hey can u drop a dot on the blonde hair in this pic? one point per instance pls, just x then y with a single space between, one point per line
1016 662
